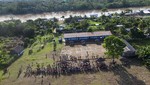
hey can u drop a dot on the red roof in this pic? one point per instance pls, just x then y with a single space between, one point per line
87 34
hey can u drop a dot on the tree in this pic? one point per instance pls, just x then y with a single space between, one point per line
104 10
136 33
147 31
63 17
84 24
55 19
29 32
114 46
109 26
123 31
54 45
90 29
142 25
4 57
128 11
110 1
125 3
144 54
41 6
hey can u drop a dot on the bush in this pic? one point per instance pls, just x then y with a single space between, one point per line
39 50
90 30
30 51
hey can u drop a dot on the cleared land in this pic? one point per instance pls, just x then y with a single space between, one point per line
83 51
136 75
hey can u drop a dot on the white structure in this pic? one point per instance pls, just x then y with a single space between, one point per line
146 12
94 15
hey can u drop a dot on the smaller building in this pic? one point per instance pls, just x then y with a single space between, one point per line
60 28
119 25
128 29
94 15
132 13
128 50
18 50
146 12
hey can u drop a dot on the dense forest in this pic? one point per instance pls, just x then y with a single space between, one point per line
40 6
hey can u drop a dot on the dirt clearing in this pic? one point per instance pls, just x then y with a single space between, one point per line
83 51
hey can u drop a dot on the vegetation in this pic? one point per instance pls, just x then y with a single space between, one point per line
4 59
143 51
144 54
138 26
27 29
33 34
38 35
39 6
114 46
36 57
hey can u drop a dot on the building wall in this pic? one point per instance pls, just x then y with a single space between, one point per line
78 39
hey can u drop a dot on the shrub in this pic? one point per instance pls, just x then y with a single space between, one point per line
30 51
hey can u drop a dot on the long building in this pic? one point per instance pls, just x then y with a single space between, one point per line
84 37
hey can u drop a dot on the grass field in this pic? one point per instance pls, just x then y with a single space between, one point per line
136 75
93 22
25 59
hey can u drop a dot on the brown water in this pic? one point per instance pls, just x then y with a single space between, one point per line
58 15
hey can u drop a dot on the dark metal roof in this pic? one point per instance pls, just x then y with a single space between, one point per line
87 34
18 49
128 47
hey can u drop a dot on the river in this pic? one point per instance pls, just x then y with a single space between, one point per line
58 15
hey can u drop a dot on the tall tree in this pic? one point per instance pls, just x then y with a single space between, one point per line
114 46
104 10
144 54
136 33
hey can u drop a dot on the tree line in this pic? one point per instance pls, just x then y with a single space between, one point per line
28 30
40 6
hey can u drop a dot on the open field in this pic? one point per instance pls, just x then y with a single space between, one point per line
26 59
136 75
83 51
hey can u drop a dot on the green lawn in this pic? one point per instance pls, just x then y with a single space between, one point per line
35 57
1 75
121 74
96 26
93 22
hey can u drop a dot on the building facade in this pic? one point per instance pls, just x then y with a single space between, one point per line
84 37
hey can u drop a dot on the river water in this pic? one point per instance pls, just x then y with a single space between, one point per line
58 15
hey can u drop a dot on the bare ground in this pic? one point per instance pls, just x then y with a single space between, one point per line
136 75
80 50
